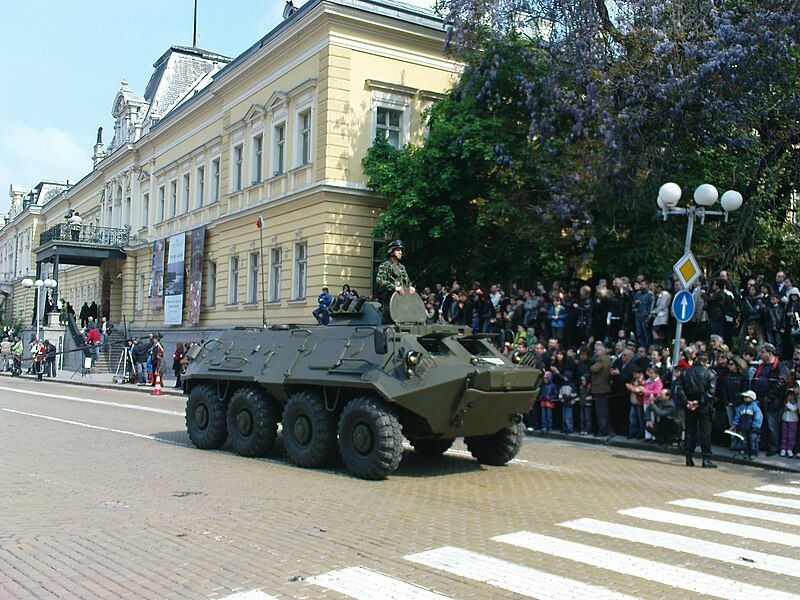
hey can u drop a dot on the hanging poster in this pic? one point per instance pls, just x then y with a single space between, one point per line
156 294
174 284
196 274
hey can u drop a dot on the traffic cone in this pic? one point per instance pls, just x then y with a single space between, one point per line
157 387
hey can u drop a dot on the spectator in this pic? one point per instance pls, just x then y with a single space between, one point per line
769 384
662 419
660 313
84 315
635 389
5 353
793 315
324 301
75 224
567 398
601 387
548 396
789 419
747 422
642 305
177 358
772 315
50 358
139 356
93 341
585 403
651 389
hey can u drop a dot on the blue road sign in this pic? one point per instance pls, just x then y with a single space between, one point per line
683 306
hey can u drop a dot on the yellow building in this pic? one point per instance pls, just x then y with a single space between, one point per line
279 132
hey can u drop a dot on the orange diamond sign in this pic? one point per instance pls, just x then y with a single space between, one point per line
687 270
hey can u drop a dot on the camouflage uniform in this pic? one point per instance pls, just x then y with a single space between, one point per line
389 276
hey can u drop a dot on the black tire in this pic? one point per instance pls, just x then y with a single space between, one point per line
370 438
309 430
432 448
499 448
205 418
252 422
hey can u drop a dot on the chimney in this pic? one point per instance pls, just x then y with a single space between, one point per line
98 148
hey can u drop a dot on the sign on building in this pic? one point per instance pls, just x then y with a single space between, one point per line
174 285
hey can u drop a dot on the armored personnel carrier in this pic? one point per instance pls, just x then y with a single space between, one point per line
354 388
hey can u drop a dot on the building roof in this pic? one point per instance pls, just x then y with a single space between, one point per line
389 8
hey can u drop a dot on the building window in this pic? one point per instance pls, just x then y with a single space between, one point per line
237 167
212 284
233 281
161 204
300 270
201 187
275 259
186 189
304 143
280 148
140 293
127 212
389 125
252 278
145 210
215 176
173 198
258 152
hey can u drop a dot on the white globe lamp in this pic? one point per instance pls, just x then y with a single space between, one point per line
670 194
38 283
50 283
27 282
731 201
706 195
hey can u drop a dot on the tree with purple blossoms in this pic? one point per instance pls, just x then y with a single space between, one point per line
618 98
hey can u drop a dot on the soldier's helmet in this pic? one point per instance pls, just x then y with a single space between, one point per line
394 246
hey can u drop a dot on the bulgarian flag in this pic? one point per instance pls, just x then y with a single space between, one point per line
261 224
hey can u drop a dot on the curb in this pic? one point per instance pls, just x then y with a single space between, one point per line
623 443
101 385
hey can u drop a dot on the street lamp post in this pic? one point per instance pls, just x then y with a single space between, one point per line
39 285
705 196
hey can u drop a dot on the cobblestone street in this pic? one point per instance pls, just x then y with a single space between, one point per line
103 496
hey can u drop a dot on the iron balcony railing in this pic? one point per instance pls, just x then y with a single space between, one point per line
86 234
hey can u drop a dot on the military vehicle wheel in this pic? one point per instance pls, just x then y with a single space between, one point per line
432 448
252 422
499 448
309 430
205 418
370 438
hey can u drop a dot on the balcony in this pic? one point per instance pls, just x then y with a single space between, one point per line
87 234
87 245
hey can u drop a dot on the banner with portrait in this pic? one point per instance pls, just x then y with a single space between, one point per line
156 293
175 280
196 274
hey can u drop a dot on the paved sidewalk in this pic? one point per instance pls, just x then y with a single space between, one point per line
721 453
102 380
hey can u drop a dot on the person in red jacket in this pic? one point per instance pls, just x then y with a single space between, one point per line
93 340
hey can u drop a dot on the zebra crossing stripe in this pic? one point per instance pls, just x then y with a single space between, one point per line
760 499
688 545
727 527
365 584
626 564
739 511
511 577
780 489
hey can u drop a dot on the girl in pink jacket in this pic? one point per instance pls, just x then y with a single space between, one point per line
652 388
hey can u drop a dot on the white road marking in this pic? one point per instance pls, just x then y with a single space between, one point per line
98 427
739 511
249 595
364 584
727 527
688 545
519 579
163 411
513 461
779 489
664 573
760 499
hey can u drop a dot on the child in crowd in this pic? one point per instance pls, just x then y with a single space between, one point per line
789 418
636 391
585 400
567 398
547 398
651 389
558 316
747 422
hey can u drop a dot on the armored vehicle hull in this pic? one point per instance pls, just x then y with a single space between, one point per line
355 388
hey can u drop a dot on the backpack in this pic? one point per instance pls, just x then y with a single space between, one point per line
746 421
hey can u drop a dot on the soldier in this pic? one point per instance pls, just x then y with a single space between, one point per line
392 277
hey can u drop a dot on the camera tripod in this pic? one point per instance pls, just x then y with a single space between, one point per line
125 366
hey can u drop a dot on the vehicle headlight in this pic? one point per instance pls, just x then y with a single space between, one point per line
412 358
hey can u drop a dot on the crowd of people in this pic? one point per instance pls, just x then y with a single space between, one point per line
606 356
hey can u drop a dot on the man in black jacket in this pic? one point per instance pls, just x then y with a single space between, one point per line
769 383
699 384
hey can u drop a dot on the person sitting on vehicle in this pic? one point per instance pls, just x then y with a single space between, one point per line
324 301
